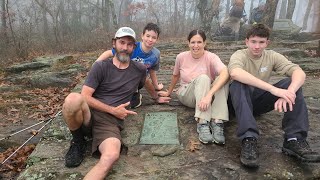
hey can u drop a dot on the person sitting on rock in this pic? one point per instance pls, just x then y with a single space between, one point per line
147 54
101 106
200 88
257 14
231 24
251 94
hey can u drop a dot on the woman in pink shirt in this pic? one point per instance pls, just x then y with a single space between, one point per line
203 86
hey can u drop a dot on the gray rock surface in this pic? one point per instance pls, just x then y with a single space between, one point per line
178 162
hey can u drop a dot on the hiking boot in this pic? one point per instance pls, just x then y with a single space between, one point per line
301 150
205 135
75 154
249 152
217 132
136 100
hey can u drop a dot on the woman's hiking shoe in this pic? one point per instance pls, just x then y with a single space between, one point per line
249 152
204 132
75 154
217 132
301 150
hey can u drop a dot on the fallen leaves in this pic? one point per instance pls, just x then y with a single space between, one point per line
16 163
193 145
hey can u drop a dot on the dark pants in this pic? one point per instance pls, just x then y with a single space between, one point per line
246 102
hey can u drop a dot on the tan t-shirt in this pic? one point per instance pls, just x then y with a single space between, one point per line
190 68
262 67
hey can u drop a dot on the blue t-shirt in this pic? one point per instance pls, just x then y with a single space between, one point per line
151 59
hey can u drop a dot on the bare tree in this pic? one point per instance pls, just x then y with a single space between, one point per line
290 9
306 16
54 16
175 18
316 21
251 8
124 12
228 7
113 14
4 21
207 10
184 12
283 10
271 6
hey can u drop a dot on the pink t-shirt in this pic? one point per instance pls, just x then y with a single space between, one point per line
190 68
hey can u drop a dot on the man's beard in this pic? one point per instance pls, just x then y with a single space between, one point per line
123 58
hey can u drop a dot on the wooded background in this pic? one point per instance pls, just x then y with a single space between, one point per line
57 26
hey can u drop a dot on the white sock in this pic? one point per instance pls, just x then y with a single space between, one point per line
218 121
292 139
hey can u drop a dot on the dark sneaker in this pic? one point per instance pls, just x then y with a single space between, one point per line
75 154
136 100
204 132
217 132
249 152
301 150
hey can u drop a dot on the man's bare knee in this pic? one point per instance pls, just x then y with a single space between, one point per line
73 100
72 110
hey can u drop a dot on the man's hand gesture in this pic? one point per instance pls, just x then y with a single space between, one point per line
121 112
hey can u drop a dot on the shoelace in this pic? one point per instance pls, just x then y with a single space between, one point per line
250 145
204 128
303 144
220 129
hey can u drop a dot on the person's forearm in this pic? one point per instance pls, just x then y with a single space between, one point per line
98 105
247 78
153 77
297 80
150 89
105 55
174 80
222 80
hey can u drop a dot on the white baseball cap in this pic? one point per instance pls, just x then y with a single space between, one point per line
125 31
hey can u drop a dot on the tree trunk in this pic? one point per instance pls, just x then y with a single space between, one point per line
4 27
97 12
228 7
306 16
152 12
208 9
63 19
175 18
194 14
271 6
113 13
316 25
124 14
290 9
251 8
54 17
106 17
184 12
283 10
45 24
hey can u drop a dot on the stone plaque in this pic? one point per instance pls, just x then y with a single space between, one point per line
160 128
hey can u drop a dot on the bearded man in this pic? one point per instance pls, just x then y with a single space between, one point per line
101 107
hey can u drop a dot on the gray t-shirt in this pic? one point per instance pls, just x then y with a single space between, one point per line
114 86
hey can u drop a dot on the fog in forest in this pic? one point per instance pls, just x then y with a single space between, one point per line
41 26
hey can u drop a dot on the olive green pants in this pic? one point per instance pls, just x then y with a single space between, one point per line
191 94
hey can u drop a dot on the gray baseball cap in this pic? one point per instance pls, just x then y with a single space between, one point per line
125 31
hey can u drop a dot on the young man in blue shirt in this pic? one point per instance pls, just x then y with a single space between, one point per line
145 53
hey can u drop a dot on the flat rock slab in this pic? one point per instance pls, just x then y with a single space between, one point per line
156 161
160 128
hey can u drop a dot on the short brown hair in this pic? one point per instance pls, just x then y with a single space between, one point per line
260 30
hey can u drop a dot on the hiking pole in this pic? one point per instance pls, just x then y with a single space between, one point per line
33 135
10 135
